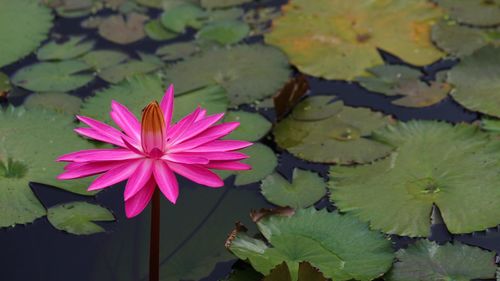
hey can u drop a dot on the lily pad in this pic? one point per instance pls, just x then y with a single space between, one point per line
224 32
24 24
137 92
253 126
334 39
118 72
476 86
248 73
306 273
79 217
211 4
324 132
341 247
60 76
435 163
479 13
183 16
122 30
74 47
156 31
427 260
398 80
58 102
305 189
175 51
101 59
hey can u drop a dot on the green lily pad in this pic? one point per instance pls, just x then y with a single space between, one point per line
60 76
306 273
118 72
263 161
211 4
79 217
175 51
101 59
305 189
183 16
137 92
334 39
224 32
75 8
427 260
341 247
479 13
59 102
156 31
248 73
120 30
451 167
398 80
253 126
74 47
24 24
342 138
476 86
224 14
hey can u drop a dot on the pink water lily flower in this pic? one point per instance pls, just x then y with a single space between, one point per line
147 154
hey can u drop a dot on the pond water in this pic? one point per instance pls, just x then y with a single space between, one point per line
194 230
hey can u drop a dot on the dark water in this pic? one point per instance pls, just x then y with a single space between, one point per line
198 225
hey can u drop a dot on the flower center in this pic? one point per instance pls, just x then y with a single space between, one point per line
153 130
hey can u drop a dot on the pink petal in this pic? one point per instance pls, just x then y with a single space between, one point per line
112 133
221 146
93 134
166 181
126 120
217 156
138 203
208 135
115 175
197 174
185 158
80 170
99 155
138 179
202 114
167 105
178 129
228 165
198 127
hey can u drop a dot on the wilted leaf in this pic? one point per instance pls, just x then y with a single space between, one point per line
119 30
74 47
289 95
78 217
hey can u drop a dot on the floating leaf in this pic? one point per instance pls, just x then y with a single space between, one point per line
138 91
23 25
334 39
74 8
427 260
59 102
224 32
74 47
177 51
248 73
60 76
290 95
129 68
324 132
339 246
451 167
259 19
477 87
211 4
480 12
253 126
305 189
224 14
123 31
182 16
263 162
101 59
306 273
78 217
398 80
156 31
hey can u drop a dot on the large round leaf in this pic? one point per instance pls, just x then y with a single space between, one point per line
337 39
248 73
74 47
452 167
59 102
477 85
341 247
427 260
340 135
476 12
23 25
263 162
253 126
